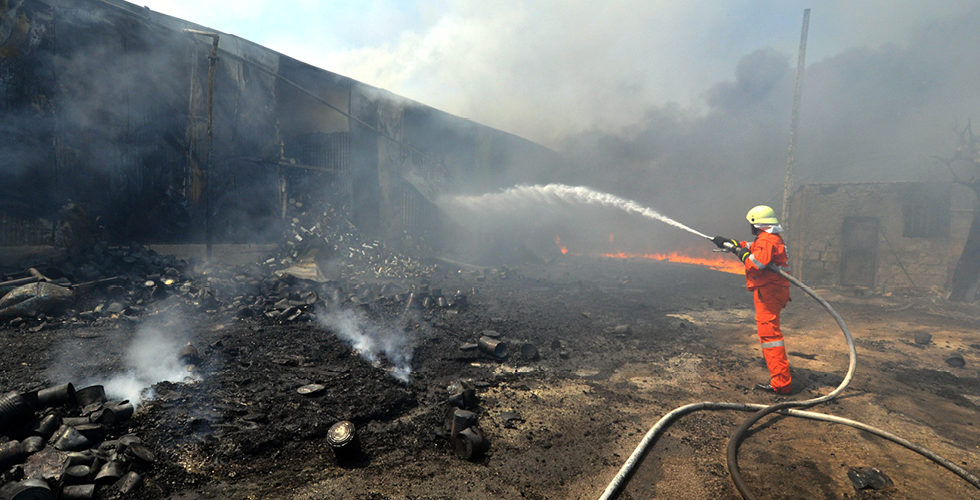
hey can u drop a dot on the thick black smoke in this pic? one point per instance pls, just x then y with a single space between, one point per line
867 115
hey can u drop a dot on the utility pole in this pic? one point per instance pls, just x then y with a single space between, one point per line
212 61
794 121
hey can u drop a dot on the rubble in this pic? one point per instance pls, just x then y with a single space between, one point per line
529 352
246 419
33 299
494 347
470 443
342 437
922 338
323 260
956 361
311 389
74 443
868 478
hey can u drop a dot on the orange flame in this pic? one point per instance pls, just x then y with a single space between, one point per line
723 263
564 249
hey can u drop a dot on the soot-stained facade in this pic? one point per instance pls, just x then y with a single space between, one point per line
879 236
106 107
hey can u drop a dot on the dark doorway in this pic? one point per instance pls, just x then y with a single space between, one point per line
859 251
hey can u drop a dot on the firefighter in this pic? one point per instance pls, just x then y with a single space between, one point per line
770 291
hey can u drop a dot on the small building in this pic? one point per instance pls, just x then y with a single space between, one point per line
881 237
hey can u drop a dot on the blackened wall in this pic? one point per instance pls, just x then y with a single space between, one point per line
105 105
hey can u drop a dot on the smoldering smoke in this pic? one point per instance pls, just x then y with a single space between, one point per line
152 357
371 339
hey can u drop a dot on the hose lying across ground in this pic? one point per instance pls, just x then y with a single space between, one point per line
785 408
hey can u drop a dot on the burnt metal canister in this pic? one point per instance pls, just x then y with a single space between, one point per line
129 482
494 347
78 492
94 432
80 458
46 426
11 452
110 472
311 389
76 474
89 395
67 438
123 410
32 444
461 395
114 412
413 302
470 443
13 409
129 439
30 397
56 396
461 420
29 489
141 452
189 354
342 437
529 352
459 300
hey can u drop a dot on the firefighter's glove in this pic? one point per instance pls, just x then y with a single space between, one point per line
742 253
721 240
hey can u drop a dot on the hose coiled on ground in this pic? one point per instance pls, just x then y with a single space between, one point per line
785 408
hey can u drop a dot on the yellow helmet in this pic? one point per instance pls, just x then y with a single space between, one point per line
762 214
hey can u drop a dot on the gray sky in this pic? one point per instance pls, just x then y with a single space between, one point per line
544 69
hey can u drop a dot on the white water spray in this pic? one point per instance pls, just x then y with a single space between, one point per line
520 195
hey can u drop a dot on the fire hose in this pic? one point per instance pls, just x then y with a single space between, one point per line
784 408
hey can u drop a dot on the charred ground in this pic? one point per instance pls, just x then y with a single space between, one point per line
620 344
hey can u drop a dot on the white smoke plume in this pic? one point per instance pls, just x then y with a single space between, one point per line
371 339
152 357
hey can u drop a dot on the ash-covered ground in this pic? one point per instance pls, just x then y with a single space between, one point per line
618 344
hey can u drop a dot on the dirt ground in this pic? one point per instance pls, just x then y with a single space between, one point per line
621 343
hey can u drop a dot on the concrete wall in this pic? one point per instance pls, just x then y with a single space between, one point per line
901 261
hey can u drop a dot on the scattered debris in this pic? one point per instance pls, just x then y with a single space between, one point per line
78 448
956 361
923 337
510 418
312 389
462 395
802 355
868 478
470 443
35 298
620 330
493 347
342 437
529 352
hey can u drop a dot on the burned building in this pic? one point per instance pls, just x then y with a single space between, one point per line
163 131
879 236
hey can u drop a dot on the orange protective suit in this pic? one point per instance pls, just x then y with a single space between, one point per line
770 292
